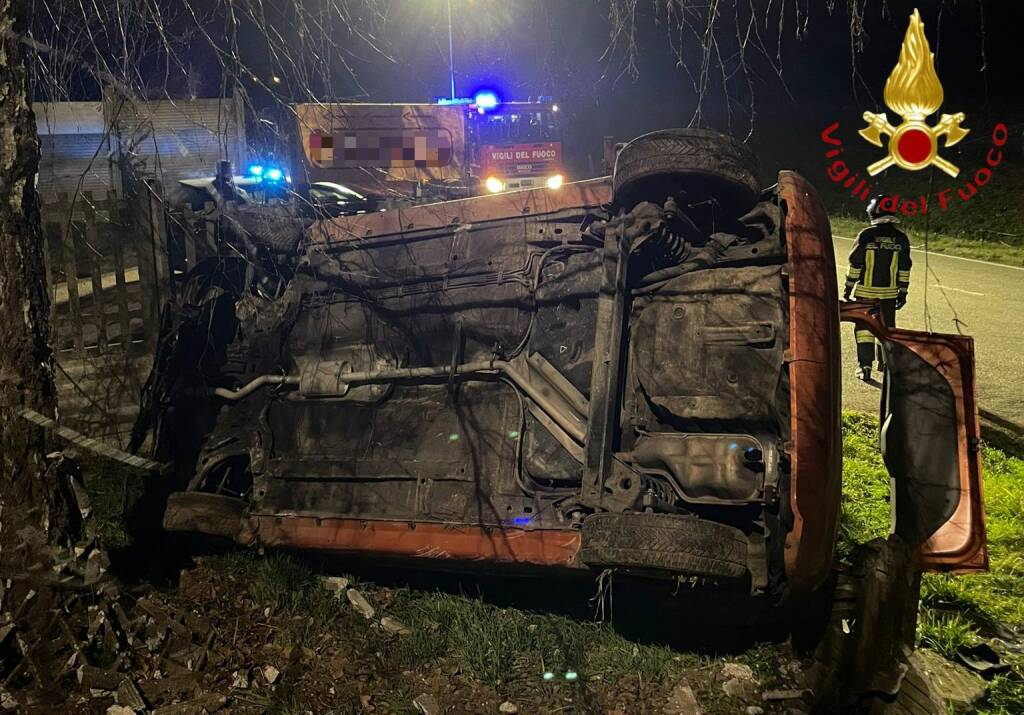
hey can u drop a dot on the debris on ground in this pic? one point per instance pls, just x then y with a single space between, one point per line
335 584
395 626
802 694
240 680
128 695
120 710
270 674
982 659
427 704
740 689
958 687
682 701
220 644
738 671
360 603
740 682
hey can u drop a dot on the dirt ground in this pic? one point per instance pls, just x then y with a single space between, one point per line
245 634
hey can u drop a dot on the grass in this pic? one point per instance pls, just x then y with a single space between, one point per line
515 653
492 644
1008 250
112 489
945 632
510 649
501 645
955 610
865 513
291 591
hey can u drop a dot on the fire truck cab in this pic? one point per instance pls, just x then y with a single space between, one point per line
515 145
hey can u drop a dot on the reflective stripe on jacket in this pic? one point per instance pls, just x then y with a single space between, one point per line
880 262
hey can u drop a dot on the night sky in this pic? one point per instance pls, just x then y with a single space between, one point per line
397 50
558 48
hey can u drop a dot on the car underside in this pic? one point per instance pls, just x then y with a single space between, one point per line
639 373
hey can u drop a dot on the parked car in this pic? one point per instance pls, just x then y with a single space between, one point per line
639 373
320 199
328 199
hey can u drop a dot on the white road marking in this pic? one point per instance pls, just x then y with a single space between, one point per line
958 290
946 255
842 269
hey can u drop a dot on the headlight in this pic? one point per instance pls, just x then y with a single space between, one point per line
555 182
494 184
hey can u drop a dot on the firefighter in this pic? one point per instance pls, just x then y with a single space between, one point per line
879 270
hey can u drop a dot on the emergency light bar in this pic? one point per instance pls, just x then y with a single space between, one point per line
270 175
445 101
485 101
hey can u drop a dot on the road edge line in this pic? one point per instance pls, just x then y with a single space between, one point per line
946 255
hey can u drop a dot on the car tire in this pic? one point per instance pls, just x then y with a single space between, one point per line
666 542
701 163
204 513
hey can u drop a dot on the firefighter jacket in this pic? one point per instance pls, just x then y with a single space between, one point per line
880 262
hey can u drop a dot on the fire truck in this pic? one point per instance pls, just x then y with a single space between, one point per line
515 145
430 152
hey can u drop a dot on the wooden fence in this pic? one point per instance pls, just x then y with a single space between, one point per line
108 274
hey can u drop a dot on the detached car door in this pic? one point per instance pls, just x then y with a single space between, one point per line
930 442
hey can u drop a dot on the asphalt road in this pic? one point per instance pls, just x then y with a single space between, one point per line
988 299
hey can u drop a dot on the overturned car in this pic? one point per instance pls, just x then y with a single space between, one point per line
639 373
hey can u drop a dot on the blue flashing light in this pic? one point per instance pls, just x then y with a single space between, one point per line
485 101
274 174
256 170
521 520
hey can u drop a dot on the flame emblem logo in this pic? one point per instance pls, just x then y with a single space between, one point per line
913 91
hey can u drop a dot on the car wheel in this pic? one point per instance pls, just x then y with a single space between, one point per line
210 514
703 164
667 542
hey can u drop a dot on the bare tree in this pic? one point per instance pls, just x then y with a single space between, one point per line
31 505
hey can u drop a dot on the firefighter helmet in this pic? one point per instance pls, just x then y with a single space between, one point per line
879 207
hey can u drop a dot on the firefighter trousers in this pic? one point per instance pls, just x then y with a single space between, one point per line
866 348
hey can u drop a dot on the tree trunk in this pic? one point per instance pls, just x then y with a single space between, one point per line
31 506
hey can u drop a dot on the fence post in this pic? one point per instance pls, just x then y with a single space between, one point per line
93 247
151 247
70 250
117 239
157 221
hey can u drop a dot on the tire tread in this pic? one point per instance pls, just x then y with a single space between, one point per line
664 541
709 164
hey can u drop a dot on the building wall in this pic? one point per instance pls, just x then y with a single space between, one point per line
75 148
101 146
178 139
